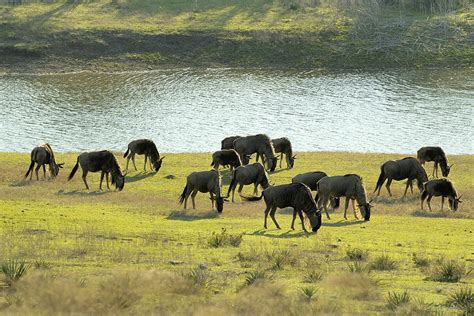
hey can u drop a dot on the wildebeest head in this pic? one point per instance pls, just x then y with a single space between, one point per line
445 171
220 204
119 181
454 202
315 220
271 163
365 208
157 164
291 161
246 160
55 169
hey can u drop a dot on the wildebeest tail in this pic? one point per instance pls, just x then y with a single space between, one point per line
251 198
126 153
73 171
381 179
30 169
183 195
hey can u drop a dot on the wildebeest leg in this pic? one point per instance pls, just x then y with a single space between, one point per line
126 166
281 159
144 167
429 202
293 220
435 169
101 179
272 215
442 202
267 210
389 181
36 171
346 206
84 175
186 196
411 187
133 160
239 190
406 188
107 180
255 190
423 197
302 220
256 157
212 201
44 172
193 195
354 209
322 202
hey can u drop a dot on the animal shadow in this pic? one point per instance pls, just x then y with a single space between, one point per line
183 215
83 193
138 177
287 234
342 223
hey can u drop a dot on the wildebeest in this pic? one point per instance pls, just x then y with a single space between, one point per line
349 186
203 181
43 155
143 147
228 142
248 174
309 178
295 195
440 187
283 146
260 144
226 157
103 161
406 168
437 155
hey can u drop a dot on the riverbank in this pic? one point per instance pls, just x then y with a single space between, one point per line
141 35
137 251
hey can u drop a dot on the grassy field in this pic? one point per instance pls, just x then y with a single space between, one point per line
144 34
137 251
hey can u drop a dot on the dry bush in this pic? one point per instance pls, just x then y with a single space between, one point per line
355 285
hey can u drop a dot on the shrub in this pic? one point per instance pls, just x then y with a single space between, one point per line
224 239
383 263
447 271
357 254
13 270
255 276
308 292
395 300
199 276
313 276
462 299
357 267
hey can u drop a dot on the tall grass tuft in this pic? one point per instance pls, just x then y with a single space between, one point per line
462 299
357 267
224 239
308 292
199 276
420 261
313 276
13 270
448 271
395 300
383 263
356 254
256 276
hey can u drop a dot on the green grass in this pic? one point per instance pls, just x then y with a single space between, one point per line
155 256
142 34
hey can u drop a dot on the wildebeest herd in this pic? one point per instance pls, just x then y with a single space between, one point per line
236 152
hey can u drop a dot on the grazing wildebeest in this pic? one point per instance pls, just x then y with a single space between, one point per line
143 147
226 157
203 181
443 188
228 142
406 168
437 155
43 155
295 195
283 146
103 161
260 144
248 174
349 186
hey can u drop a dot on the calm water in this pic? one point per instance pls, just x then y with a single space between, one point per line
192 110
